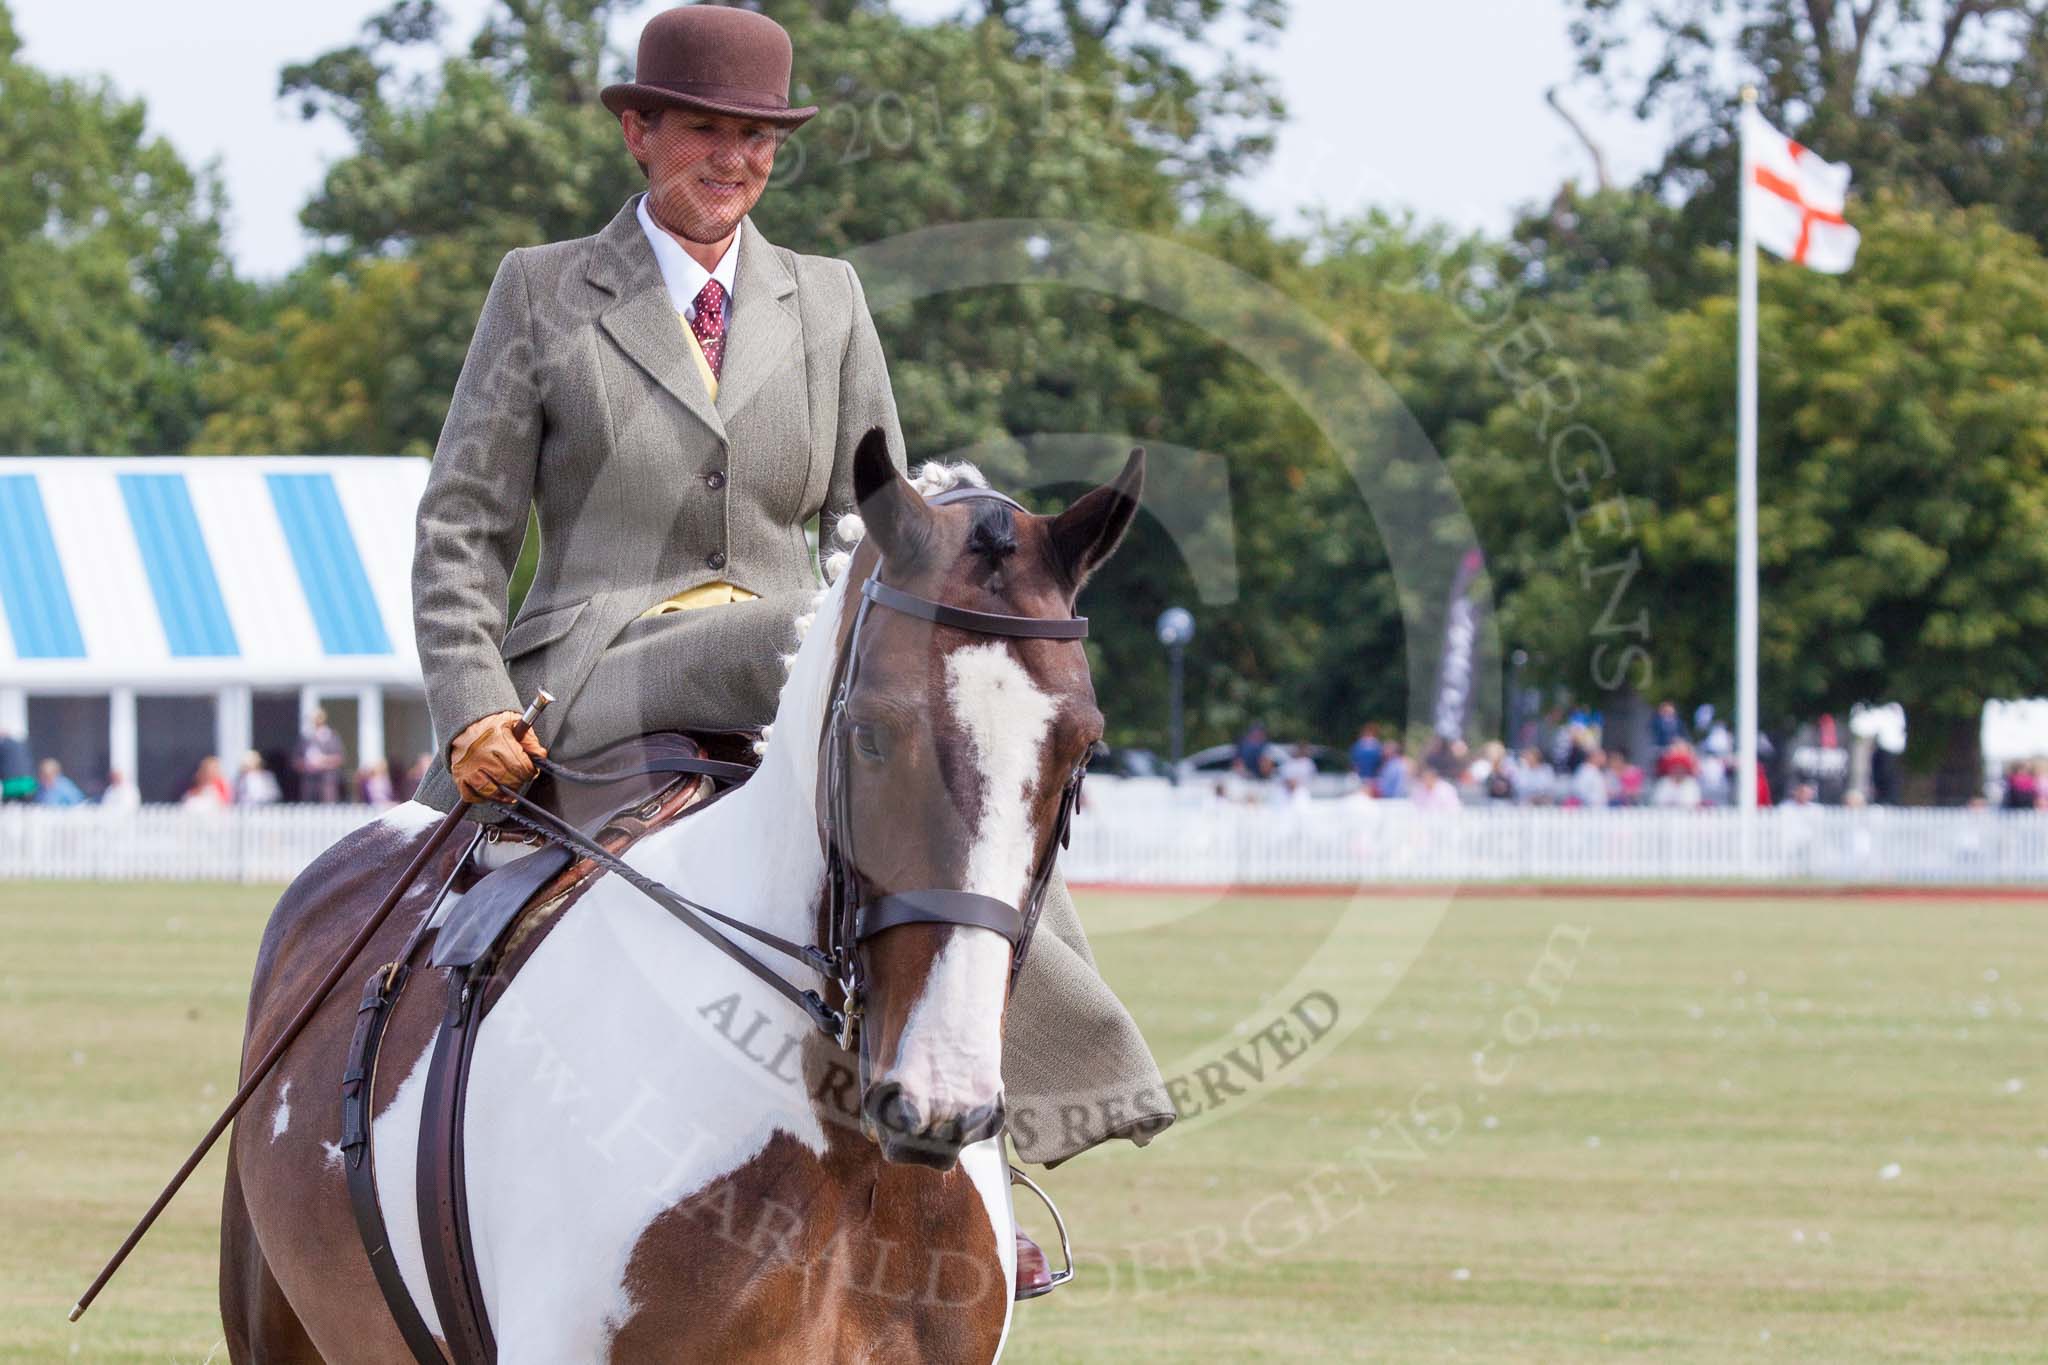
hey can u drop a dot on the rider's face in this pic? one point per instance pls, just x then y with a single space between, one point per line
704 171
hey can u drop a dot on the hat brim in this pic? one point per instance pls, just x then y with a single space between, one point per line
631 95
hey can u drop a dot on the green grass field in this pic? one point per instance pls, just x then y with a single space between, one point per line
1803 1129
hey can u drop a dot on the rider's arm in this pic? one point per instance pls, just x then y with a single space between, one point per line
865 400
472 516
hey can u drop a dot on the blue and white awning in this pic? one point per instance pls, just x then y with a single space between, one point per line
166 571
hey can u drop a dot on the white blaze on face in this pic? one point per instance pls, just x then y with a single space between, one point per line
950 1059
1007 720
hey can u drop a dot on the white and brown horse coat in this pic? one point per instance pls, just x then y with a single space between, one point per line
664 1161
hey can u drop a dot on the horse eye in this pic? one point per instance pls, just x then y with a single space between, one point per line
865 742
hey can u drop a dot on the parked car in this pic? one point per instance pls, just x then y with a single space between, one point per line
1334 776
1118 776
1108 762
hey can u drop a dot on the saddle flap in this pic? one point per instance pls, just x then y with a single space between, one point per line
477 921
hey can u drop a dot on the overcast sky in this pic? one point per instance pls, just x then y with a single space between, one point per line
1437 107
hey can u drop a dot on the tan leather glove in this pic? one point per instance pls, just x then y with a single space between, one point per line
487 763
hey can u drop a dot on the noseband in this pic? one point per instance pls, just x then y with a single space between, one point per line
852 917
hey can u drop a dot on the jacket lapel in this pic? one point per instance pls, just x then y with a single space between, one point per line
763 330
643 319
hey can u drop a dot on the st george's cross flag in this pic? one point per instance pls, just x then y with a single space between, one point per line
1795 200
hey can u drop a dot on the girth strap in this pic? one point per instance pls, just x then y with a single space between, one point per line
357 1084
442 1180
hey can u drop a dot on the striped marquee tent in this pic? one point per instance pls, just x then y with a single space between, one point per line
159 609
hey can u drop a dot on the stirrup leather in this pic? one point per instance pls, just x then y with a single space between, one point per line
1062 1275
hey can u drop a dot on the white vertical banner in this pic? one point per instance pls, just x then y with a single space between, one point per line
233 726
123 738
369 726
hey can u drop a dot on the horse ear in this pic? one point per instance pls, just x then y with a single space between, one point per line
1087 533
896 515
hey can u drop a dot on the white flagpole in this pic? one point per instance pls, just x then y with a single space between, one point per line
1745 493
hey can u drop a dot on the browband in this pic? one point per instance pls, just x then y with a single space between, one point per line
983 622
962 492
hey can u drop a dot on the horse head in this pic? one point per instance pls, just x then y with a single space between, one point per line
950 754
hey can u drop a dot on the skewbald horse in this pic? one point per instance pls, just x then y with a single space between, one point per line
665 1160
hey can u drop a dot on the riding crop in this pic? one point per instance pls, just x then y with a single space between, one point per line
441 835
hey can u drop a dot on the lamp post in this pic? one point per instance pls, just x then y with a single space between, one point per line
1176 628
1517 661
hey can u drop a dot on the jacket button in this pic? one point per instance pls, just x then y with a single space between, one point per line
715 560
715 479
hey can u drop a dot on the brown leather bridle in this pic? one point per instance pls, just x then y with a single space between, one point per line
851 917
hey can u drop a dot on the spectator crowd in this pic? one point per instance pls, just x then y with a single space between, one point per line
319 763
1567 759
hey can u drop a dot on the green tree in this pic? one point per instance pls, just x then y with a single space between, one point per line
331 367
110 261
1208 123
1945 100
507 146
504 146
1408 300
1903 458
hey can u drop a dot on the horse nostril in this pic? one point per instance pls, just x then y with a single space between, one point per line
892 1110
984 1122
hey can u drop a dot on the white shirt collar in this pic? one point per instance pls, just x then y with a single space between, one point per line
679 270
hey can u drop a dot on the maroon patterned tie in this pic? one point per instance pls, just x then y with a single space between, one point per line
709 324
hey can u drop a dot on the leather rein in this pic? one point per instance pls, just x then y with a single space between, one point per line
851 917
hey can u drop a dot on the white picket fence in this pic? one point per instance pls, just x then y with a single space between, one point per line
1170 838
169 843
1354 842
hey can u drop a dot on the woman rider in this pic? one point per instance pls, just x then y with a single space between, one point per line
676 398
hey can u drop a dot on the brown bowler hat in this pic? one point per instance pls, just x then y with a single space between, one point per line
710 57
